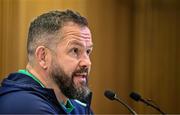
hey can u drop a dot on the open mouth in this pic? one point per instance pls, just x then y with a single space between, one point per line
80 77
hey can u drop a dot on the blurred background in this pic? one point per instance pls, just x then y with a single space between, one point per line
136 47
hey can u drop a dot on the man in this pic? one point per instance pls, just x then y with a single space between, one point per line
55 80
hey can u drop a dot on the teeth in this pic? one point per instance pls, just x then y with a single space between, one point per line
81 74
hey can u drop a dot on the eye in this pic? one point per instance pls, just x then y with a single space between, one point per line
75 50
88 51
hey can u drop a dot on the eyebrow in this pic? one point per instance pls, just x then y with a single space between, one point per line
79 44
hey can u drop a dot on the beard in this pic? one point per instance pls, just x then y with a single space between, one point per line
66 83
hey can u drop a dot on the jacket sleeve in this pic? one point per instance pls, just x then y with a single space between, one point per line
24 103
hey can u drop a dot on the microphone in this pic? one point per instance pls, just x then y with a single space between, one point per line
137 97
112 96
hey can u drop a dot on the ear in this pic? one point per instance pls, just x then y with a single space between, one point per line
42 56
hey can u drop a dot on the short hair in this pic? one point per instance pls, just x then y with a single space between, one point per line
43 30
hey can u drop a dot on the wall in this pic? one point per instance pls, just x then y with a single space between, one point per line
136 47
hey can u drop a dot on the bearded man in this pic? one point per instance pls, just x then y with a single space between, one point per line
55 80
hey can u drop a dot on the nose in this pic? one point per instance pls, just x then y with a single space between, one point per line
85 62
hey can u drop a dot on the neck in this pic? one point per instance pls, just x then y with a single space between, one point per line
47 82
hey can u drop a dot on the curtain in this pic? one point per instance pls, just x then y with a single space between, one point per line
136 47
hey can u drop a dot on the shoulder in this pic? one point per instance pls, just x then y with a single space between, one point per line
24 102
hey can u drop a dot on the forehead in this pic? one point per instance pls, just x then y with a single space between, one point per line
72 31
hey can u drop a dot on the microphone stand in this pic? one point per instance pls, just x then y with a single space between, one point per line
152 105
127 106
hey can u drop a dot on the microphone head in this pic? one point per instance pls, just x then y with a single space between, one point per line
135 96
110 94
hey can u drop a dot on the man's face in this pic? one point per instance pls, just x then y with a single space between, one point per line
70 66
